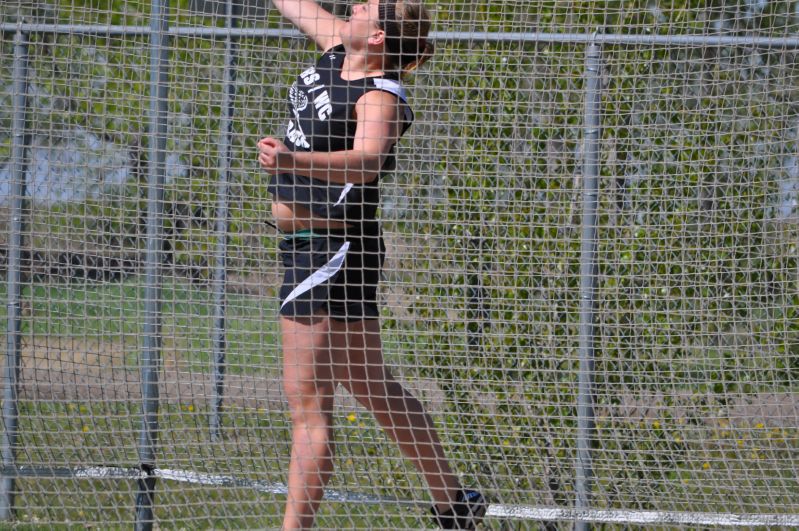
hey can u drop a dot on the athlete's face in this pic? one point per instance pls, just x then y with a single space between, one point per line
363 24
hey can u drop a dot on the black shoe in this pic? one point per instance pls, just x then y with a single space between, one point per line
466 513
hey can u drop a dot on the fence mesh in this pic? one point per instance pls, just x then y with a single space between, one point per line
697 286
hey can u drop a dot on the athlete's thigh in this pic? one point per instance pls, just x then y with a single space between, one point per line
356 351
307 370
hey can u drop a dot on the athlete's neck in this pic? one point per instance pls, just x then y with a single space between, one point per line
359 65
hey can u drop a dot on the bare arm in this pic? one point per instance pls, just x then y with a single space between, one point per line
319 25
377 130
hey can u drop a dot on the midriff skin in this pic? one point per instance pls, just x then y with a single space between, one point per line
291 217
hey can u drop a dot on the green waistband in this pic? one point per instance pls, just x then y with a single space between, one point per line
303 234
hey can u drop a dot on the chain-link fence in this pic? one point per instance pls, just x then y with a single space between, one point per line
591 277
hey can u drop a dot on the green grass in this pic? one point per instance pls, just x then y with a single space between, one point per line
114 313
680 464
255 445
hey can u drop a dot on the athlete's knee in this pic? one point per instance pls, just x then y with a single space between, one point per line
308 395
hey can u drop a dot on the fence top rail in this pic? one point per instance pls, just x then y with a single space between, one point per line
457 36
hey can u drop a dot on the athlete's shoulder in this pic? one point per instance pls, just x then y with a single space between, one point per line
394 86
390 85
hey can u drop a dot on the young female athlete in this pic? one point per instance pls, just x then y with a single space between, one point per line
347 113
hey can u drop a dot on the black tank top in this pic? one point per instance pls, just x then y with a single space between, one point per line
322 106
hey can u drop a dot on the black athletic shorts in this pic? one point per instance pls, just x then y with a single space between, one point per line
333 269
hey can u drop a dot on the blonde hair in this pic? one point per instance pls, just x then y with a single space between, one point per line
407 25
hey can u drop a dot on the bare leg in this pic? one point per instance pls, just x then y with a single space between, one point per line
357 358
309 387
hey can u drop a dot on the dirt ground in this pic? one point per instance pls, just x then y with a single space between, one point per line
66 369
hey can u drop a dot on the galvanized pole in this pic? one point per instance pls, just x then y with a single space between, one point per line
588 277
18 169
220 258
151 352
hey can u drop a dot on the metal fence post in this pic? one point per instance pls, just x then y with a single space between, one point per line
151 352
18 172
588 275
220 255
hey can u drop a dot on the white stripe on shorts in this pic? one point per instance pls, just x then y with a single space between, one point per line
320 275
344 193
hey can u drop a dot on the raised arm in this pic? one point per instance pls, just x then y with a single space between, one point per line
318 24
